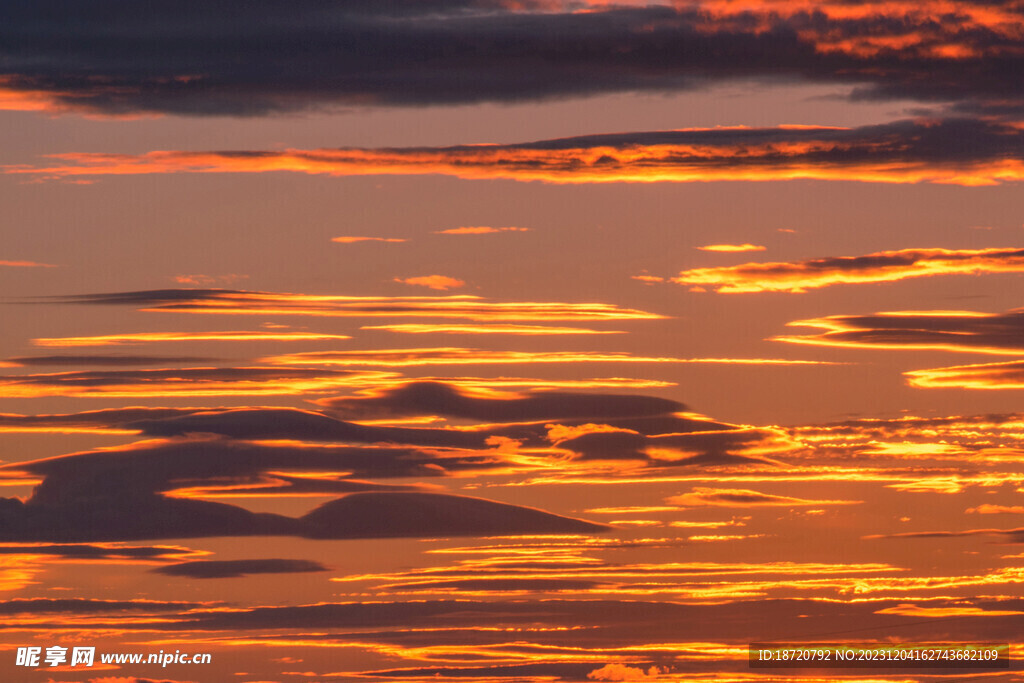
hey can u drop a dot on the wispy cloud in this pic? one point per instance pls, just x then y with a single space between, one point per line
478 230
886 266
731 248
209 280
26 264
970 331
956 151
527 330
157 337
353 240
441 282
742 498
471 356
1009 375
240 302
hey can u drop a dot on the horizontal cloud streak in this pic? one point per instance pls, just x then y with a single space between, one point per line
1009 375
995 333
155 337
240 302
462 356
959 151
885 266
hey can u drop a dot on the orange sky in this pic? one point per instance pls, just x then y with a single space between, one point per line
509 341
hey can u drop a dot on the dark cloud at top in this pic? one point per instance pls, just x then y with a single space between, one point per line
431 398
201 58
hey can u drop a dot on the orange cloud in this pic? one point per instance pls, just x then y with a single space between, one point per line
1009 375
478 230
466 356
153 337
728 248
26 264
886 266
705 497
995 333
234 302
209 280
898 152
487 329
441 282
186 382
352 240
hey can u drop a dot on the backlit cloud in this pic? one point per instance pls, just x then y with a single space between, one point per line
1009 375
460 52
249 381
441 282
957 151
392 358
527 330
886 266
478 230
153 337
731 248
996 333
240 302
353 240
26 264
741 498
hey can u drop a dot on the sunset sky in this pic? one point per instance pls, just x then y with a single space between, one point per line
509 341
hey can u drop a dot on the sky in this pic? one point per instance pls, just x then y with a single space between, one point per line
508 341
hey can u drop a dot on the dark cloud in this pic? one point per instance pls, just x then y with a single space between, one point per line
98 552
952 150
198 58
945 330
228 569
85 606
1007 535
431 398
119 494
289 423
383 515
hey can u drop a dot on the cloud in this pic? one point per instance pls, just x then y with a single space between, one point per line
957 151
209 280
294 424
229 569
1009 375
478 230
353 240
393 358
430 398
26 264
441 282
996 333
240 302
886 266
730 248
97 359
470 51
88 606
157 337
98 552
385 515
251 381
528 330
621 672
704 497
